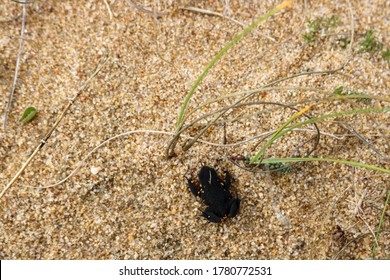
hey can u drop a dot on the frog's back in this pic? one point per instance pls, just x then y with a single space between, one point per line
214 192
208 176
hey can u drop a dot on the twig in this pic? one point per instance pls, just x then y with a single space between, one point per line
80 163
50 132
142 9
350 242
212 13
370 229
108 8
364 140
11 95
360 202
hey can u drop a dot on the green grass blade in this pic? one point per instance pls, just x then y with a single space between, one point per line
374 247
279 133
247 30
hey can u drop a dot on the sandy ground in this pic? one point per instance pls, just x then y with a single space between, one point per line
128 201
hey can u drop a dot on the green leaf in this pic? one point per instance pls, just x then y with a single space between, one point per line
338 90
28 115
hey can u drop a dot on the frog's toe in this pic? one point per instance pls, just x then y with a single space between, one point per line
211 216
234 206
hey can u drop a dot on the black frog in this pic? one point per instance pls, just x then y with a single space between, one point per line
216 194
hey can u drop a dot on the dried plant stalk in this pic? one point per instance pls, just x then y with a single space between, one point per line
11 95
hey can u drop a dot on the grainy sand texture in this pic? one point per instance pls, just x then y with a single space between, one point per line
128 200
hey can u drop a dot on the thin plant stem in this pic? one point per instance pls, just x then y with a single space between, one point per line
212 13
375 246
21 44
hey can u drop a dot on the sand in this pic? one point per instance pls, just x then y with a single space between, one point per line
128 201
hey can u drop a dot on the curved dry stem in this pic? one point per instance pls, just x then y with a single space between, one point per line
254 91
212 13
350 128
144 131
316 138
174 140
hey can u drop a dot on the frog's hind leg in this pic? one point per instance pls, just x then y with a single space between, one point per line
193 188
211 216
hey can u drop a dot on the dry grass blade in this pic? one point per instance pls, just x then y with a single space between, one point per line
364 140
142 9
108 8
11 95
211 13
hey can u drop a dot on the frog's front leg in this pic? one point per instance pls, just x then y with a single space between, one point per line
228 179
193 188
211 216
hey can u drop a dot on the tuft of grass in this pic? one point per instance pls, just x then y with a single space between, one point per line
318 25
370 43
